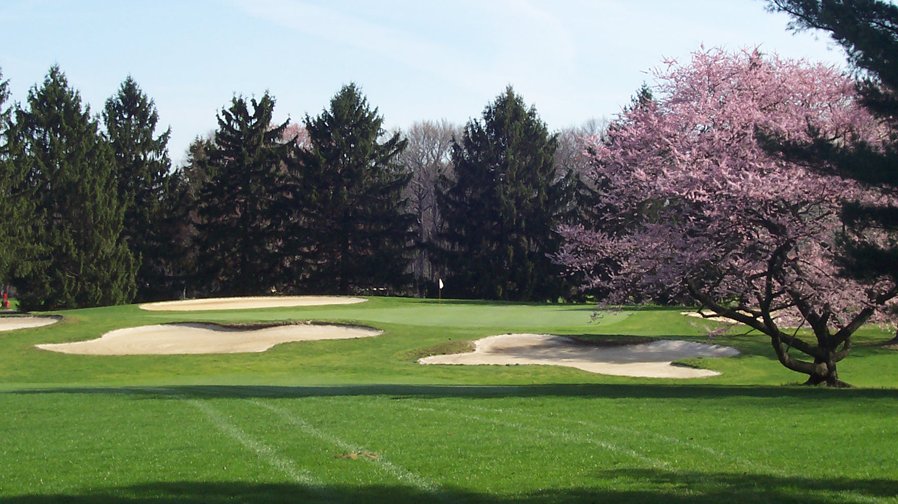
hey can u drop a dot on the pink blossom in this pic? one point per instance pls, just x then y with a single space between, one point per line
731 224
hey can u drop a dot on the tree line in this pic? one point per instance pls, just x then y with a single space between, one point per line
97 215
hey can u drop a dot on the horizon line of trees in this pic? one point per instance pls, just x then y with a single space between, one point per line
334 204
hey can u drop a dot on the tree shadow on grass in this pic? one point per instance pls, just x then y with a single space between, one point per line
398 391
631 486
657 486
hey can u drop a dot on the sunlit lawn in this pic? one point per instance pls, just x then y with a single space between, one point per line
360 420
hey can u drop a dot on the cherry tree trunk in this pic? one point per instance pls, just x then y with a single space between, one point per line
825 374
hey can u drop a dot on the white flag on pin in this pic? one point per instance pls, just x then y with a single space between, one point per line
441 283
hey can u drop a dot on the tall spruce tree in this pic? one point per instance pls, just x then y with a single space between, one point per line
198 170
503 206
352 233
868 31
182 215
8 182
144 183
17 244
238 246
69 176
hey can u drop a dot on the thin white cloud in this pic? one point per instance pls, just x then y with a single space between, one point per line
515 41
339 27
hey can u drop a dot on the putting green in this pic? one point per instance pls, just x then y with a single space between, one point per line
246 303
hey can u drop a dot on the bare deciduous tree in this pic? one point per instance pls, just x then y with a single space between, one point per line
427 157
572 143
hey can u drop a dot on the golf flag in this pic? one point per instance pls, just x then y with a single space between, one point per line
441 283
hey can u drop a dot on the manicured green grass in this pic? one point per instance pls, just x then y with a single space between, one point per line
360 421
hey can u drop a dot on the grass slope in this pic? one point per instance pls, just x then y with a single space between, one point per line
360 421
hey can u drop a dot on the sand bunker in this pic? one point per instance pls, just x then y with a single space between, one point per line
712 319
174 339
650 360
13 323
718 319
243 303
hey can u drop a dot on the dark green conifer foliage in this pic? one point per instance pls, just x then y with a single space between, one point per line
237 245
502 209
868 31
183 216
198 170
17 209
13 207
176 261
69 178
352 233
144 183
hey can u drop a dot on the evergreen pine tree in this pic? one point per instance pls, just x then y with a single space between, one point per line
866 29
198 169
238 246
352 233
142 170
182 216
502 209
17 244
69 178
9 202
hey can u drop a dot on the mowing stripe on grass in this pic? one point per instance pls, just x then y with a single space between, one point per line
266 453
641 433
687 444
564 436
846 495
399 472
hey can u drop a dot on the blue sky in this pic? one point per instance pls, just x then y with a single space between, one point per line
426 59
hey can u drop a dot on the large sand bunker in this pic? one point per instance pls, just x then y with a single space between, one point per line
13 323
175 339
650 360
243 303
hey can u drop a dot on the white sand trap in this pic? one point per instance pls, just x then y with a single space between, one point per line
243 303
649 360
718 319
13 323
712 319
176 339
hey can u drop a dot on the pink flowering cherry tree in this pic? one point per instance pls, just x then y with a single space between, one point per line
698 207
